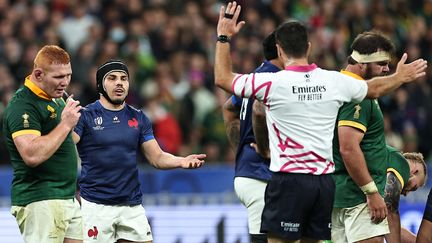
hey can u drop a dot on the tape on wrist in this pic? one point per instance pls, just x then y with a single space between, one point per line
369 188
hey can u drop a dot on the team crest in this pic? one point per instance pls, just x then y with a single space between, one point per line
52 110
357 111
26 123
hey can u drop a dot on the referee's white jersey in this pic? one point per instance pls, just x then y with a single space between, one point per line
302 105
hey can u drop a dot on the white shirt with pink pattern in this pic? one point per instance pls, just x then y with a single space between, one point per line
302 105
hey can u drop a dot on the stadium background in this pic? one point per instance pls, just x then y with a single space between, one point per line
169 48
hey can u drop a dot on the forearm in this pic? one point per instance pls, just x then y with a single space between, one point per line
233 133
380 86
395 229
259 126
223 67
232 123
41 148
166 161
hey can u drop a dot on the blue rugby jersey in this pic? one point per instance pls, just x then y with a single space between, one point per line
110 141
248 162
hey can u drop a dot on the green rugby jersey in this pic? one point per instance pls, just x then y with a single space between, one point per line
367 117
398 165
31 111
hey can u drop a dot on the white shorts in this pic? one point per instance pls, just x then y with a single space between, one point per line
109 223
251 194
354 224
49 221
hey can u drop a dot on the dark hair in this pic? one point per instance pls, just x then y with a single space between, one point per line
369 42
292 36
269 47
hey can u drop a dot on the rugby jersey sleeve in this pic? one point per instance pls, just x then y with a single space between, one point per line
398 165
23 118
79 128
351 89
356 115
256 85
146 129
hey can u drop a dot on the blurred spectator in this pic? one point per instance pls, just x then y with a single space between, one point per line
169 44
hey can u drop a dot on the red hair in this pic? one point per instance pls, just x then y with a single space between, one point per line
51 54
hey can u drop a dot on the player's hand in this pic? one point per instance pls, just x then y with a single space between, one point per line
227 24
266 155
410 71
193 161
377 207
71 114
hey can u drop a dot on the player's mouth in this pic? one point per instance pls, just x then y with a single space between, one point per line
119 92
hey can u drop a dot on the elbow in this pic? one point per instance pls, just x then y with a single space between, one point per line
32 161
345 150
219 82
374 94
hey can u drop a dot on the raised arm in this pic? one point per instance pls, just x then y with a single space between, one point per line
163 160
231 114
405 73
393 189
227 27
259 126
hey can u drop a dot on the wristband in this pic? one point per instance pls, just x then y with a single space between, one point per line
369 188
223 39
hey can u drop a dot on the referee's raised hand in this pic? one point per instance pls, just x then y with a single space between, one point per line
227 24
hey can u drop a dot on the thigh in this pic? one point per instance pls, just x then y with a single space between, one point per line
42 221
338 228
359 227
133 225
287 205
74 229
99 222
251 193
319 218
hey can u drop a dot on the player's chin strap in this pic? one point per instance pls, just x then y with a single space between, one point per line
378 56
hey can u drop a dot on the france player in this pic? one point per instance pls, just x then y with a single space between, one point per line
109 135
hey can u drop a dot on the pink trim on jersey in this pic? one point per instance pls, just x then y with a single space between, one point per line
267 86
330 164
301 68
235 81
284 145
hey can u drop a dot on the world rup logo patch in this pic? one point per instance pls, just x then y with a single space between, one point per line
98 122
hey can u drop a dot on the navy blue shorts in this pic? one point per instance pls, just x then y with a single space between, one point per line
298 206
428 209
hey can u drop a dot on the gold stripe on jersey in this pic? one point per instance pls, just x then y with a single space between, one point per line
25 132
35 89
352 124
397 175
351 74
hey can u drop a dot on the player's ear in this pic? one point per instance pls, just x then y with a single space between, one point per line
38 74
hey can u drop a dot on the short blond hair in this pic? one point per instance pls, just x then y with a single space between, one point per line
417 158
51 54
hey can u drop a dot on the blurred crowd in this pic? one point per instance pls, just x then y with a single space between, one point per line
169 48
